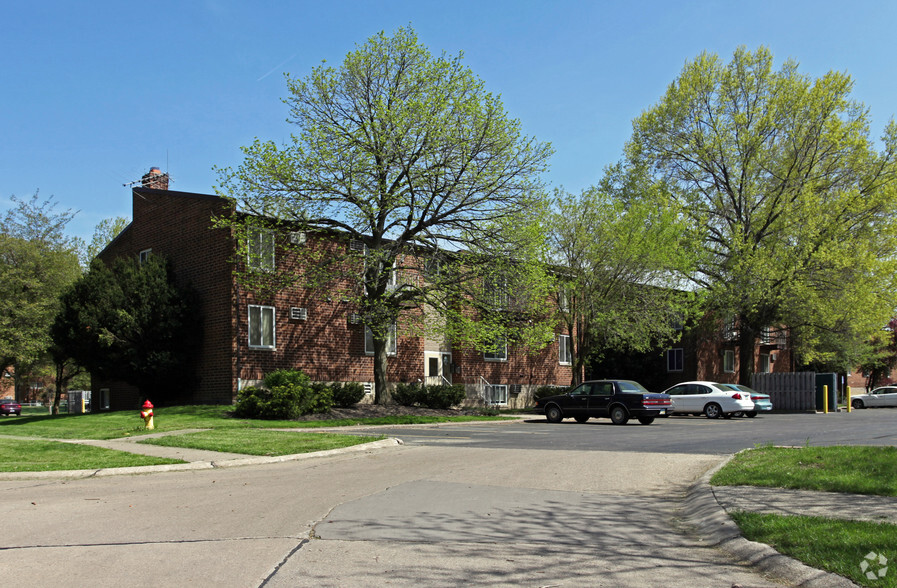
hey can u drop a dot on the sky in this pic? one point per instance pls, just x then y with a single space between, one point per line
95 93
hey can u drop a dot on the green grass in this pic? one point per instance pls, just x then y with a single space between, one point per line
19 455
827 544
858 470
114 425
255 442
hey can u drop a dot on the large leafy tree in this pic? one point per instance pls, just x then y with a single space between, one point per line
132 322
408 154
37 262
777 173
620 251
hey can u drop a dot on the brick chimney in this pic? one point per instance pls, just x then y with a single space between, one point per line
155 179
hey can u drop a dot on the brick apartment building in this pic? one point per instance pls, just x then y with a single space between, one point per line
245 337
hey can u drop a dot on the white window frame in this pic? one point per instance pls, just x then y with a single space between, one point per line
498 395
143 256
675 359
257 340
563 300
260 249
729 361
501 352
565 352
765 364
391 338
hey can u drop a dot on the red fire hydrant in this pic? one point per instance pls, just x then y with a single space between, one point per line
147 414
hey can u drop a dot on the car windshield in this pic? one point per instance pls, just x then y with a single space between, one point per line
629 386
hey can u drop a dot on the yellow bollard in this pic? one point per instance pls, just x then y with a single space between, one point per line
825 399
849 408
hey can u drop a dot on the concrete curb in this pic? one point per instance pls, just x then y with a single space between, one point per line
199 465
712 522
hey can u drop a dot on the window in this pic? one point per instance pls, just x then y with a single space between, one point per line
497 394
261 326
565 352
674 360
260 249
764 363
729 361
390 341
563 300
496 292
500 352
144 255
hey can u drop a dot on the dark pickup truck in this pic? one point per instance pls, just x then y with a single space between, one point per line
618 399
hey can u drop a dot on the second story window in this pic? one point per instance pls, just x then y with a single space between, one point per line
729 361
497 292
499 351
565 353
390 341
675 360
260 249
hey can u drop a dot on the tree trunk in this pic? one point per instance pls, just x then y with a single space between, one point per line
380 364
746 343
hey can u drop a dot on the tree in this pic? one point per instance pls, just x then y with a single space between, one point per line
131 322
408 155
619 250
37 262
103 234
775 171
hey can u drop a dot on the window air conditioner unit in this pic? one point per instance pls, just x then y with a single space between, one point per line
356 245
297 237
298 314
354 318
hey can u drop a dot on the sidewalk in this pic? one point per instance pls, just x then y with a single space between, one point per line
707 508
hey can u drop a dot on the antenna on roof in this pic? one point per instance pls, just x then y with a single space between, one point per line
152 179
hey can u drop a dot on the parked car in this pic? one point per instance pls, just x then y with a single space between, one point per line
761 401
8 407
708 398
619 400
884 396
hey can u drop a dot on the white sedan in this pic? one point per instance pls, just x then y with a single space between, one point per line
708 398
884 396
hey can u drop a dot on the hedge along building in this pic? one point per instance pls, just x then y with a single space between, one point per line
247 334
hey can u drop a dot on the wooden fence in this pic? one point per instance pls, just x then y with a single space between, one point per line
788 391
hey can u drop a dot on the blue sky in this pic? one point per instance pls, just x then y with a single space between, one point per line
95 93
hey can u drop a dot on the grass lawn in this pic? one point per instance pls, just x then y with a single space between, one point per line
38 455
833 545
827 544
858 470
114 425
260 442
245 436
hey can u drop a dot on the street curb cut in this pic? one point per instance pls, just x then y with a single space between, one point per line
704 513
198 465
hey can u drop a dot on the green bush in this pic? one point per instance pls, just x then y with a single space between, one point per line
443 396
408 394
346 394
439 397
287 394
543 391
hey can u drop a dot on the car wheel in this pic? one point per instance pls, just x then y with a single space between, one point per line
646 420
751 414
857 403
738 413
713 411
618 415
553 414
581 419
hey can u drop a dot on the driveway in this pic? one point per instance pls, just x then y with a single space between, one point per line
409 515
